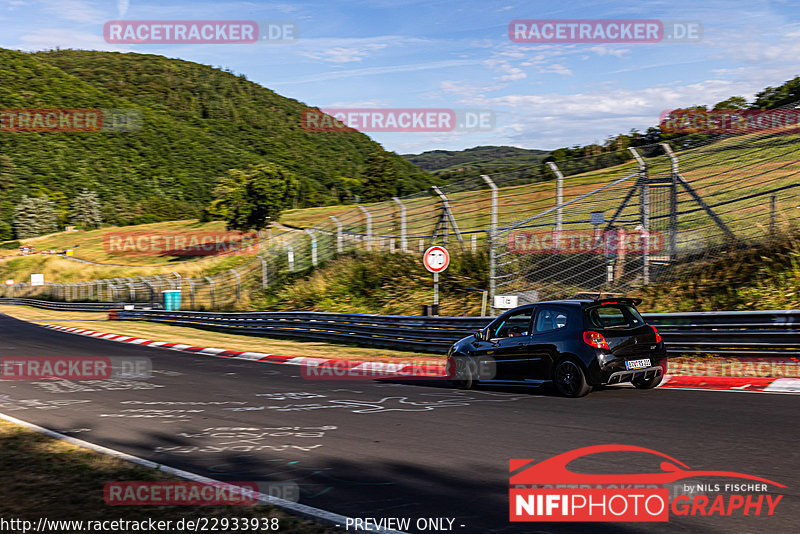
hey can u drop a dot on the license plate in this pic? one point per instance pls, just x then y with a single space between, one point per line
637 364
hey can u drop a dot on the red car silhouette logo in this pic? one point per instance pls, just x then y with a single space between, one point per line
554 470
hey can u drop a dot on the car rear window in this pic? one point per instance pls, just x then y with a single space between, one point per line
614 316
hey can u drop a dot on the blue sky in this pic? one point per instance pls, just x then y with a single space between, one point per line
444 54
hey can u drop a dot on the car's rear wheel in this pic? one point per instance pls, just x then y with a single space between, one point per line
460 372
650 383
569 379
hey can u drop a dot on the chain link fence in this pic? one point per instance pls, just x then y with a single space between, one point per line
611 222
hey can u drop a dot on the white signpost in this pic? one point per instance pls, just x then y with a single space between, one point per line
436 259
37 279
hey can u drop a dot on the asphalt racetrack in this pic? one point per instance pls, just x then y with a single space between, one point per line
413 449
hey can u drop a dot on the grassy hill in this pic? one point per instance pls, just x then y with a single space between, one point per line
198 122
89 246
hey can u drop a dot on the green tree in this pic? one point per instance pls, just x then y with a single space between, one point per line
25 223
773 97
734 102
380 178
86 210
118 211
6 231
246 199
48 218
7 173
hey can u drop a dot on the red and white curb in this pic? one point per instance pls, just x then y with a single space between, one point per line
366 369
349 367
757 384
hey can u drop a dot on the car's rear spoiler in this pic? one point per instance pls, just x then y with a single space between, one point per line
624 300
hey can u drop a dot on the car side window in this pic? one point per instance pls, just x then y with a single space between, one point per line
513 325
548 319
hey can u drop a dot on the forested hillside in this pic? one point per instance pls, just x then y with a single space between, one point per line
198 123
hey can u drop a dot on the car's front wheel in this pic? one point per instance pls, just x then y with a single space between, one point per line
569 379
460 372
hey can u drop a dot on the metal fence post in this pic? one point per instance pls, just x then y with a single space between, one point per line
403 240
492 234
369 226
313 246
238 284
191 290
211 289
264 273
152 290
644 211
673 203
338 234
289 255
559 201
445 217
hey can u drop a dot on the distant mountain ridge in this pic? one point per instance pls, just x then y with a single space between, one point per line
450 164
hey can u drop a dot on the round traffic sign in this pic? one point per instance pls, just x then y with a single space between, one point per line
436 259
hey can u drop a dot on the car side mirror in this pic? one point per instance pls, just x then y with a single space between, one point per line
478 335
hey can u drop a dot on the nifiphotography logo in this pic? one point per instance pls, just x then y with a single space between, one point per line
549 491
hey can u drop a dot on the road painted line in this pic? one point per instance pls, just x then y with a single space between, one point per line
784 385
295 508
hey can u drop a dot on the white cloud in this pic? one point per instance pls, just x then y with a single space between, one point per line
73 10
608 51
345 54
371 71
45 39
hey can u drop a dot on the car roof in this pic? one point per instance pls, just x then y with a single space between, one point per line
578 302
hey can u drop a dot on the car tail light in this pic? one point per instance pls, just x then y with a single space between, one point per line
658 336
595 339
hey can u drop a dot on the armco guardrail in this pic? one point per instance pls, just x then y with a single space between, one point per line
433 334
728 333
724 333
731 333
76 306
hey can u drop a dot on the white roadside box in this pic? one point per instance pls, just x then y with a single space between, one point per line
506 302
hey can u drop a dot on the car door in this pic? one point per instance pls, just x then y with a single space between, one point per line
505 353
549 329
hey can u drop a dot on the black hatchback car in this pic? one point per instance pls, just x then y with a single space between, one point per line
573 344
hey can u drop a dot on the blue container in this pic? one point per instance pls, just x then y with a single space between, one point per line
172 300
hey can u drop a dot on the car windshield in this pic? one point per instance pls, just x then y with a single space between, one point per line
617 315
